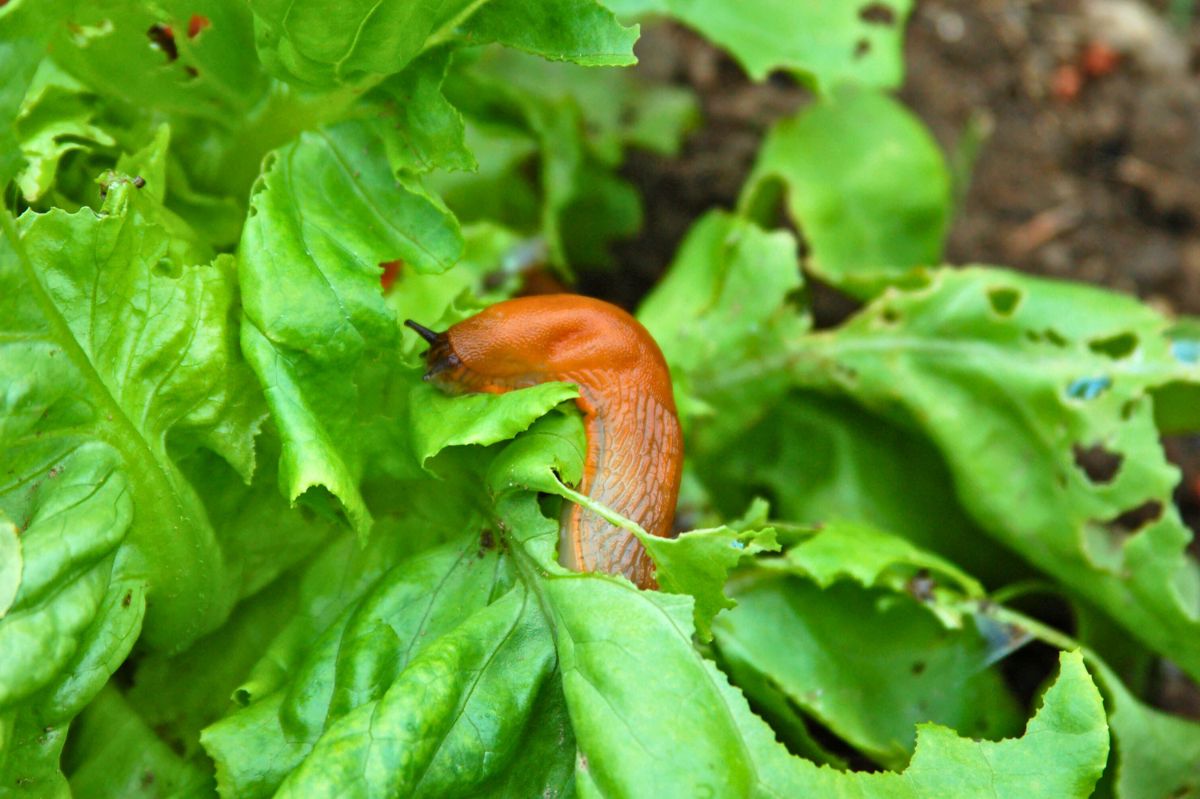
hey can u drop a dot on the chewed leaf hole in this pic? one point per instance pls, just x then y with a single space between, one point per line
1099 464
1088 388
1119 346
163 38
1135 519
1004 301
877 14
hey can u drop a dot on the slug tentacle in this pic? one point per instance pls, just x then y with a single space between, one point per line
635 445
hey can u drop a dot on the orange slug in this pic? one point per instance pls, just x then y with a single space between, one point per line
634 443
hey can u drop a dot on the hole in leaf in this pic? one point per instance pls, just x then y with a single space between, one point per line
1099 464
1134 519
1116 347
861 48
877 14
1088 388
1004 301
1127 410
162 37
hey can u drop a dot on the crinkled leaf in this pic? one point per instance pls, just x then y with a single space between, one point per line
867 665
872 558
724 303
429 131
178 695
827 43
1069 428
366 41
822 458
864 182
140 55
376 632
92 403
55 118
723 300
327 213
24 27
440 421
685 730
519 107
451 720
699 562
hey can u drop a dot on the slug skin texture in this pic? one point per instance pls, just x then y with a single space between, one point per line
634 442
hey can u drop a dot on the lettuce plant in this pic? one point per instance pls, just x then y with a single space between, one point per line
246 551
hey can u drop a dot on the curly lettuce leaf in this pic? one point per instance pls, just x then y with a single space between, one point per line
1026 399
865 182
826 44
100 404
328 211
56 118
301 41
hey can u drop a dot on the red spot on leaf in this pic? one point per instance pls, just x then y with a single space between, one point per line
391 270
197 23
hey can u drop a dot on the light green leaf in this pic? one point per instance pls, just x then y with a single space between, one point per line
687 731
822 458
1026 400
864 181
867 665
364 42
379 625
827 43
429 131
29 755
55 118
11 563
698 563
440 421
723 300
327 213
94 402
870 557
24 27
1157 754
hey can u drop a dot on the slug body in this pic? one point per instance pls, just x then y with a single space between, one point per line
634 442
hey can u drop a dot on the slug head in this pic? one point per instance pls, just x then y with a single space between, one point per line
443 366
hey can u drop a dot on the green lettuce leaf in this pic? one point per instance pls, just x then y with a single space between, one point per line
866 183
826 44
24 29
55 119
99 406
326 214
1070 428
365 42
